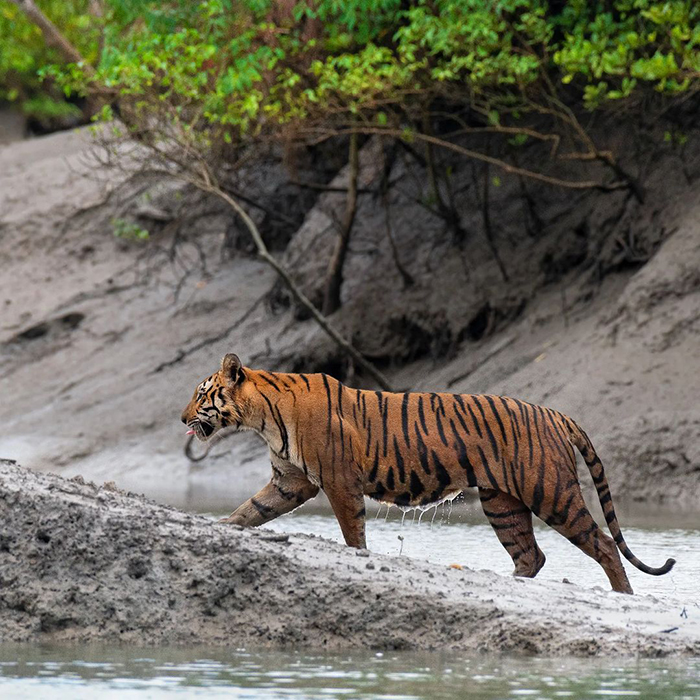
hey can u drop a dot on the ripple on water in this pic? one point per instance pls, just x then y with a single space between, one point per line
116 672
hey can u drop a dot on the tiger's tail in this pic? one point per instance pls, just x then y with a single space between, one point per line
595 467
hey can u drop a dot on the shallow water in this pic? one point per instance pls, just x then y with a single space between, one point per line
77 672
90 672
464 537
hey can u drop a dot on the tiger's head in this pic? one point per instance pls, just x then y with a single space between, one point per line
219 401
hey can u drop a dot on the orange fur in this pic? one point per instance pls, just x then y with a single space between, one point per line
414 449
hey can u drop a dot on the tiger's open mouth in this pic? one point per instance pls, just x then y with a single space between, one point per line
200 430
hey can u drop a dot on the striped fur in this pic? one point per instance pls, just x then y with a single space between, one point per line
415 449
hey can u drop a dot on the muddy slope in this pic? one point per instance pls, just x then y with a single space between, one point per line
85 563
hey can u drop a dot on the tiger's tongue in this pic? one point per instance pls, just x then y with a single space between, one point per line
190 432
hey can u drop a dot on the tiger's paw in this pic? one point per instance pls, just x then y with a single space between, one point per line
230 522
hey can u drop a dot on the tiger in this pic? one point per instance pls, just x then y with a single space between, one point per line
414 450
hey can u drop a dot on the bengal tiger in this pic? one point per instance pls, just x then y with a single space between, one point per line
414 449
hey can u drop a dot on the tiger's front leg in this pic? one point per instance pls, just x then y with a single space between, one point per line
281 495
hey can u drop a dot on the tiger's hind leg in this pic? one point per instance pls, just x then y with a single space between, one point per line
512 522
578 526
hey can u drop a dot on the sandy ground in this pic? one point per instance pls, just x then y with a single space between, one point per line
86 563
98 354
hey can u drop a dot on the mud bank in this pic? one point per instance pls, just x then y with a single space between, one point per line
82 563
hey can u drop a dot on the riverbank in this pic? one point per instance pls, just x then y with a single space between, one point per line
87 563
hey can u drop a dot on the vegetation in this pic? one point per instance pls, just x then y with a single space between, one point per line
24 55
255 65
201 83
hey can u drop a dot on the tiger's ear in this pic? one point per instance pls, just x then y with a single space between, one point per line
232 369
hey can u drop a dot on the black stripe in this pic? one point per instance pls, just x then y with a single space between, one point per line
399 461
476 422
330 409
521 408
492 515
375 467
501 526
547 422
442 474
492 404
404 419
403 499
306 381
441 432
461 420
272 412
582 537
582 512
515 424
385 416
422 451
460 401
538 491
441 405
462 456
264 510
528 430
390 479
287 495
379 491
492 438
516 450
487 469
320 468
369 438
273 384
567 505
284 452
416 486
339 413
277 471
421 415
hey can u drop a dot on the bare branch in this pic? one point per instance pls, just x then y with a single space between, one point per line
497 162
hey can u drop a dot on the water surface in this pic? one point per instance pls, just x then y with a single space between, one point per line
464 536
90 672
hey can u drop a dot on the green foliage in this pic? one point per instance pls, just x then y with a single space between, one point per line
23 55
611 52
122 228
235 69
